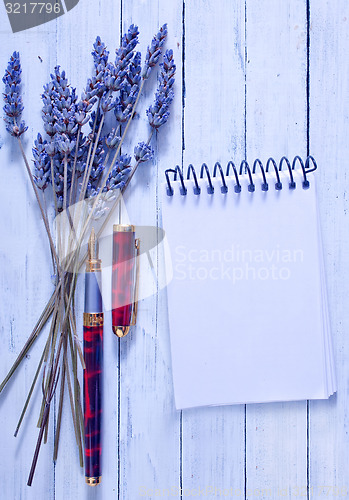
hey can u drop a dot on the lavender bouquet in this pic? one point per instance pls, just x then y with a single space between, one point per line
79 168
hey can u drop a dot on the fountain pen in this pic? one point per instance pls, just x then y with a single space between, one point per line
93 320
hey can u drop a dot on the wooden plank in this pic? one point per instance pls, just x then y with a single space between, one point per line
329 127
149 424
276 111
213 444
73 53
25 272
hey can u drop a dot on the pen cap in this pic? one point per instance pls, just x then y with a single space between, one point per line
123 276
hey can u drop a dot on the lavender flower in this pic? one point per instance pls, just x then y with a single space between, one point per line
114 78
59 108
112 140
97 166
154 51
100 54
129 90
83 107
63 94
58 183
64 145
95 119
107 102
81 156
98 158
116 73
48 115
91 192
96 86
134 71
143 152
42 164
124 104
158 113
50 149
118 176
64 116
60 116
63 101
12 96
128 43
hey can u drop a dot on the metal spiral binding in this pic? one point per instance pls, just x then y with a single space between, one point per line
244 168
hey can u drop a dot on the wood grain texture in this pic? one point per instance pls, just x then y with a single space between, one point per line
149 424
329 131
74 48
242 88
24 276
213 439
276 122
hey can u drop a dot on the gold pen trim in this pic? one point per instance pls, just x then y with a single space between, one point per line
124 228
93 481
93 266
93 319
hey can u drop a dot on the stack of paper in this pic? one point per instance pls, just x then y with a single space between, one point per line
248 310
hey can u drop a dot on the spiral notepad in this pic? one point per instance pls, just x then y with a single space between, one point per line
247 302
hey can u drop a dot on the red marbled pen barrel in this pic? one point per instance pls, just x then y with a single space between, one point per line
93 357
124 278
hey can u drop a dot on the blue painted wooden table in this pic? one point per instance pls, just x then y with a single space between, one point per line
253 79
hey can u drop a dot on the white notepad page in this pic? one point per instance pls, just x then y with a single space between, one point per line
247 303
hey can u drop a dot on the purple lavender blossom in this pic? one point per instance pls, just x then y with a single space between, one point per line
154 51
58 112
81 156
96 86
48 115
12 96
83 107
158 113
60 117
117 72
66 143
97 170
133 75
143 152
112 140
107 102
124 104
42 164
100 53
128 43
129 90
118 176
94 119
